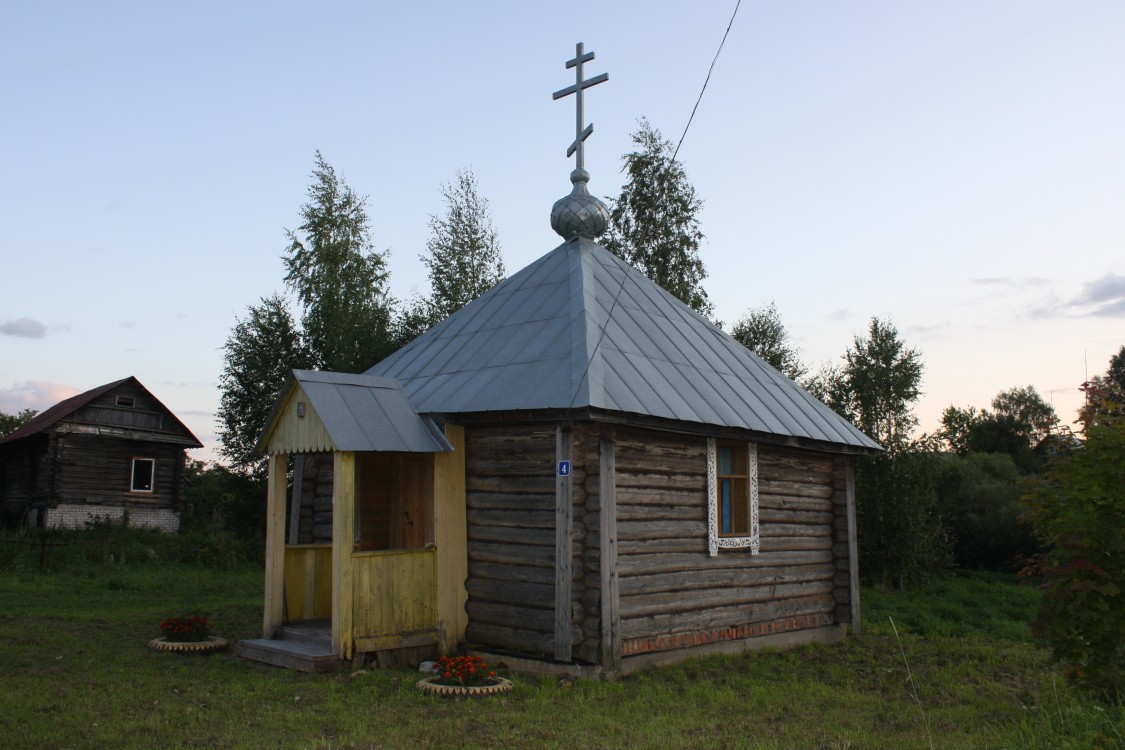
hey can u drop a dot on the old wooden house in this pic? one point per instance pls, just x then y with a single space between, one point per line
112 453
574 470
606 480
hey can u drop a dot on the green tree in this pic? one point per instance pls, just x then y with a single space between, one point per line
10 422
762 332
979 495
464 258
339 278
654 223
1116 372
221 503
1019 421
1035 419
257 357
1078 511
901 536
882 380
902 540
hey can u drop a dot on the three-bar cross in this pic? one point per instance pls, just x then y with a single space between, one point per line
580 134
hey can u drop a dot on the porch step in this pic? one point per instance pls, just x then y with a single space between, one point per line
304 646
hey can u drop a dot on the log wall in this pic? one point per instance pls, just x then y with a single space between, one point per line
510 499
672 594
97 470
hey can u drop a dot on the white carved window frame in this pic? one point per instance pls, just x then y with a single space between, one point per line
715 542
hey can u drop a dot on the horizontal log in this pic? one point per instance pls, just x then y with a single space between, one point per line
531 519
783 543
628 513
509 572
510 639
507 615
505 436
657 497
819 505
692 463
543 537
641 446
635 565
794 529
696 483
634 530
660 546
513 554
516 485
725 617
794 489
503 501
789 516
781 460
725 578
516 593
644 605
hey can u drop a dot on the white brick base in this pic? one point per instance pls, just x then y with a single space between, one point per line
77 516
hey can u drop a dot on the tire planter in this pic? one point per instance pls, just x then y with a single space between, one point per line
212 645
430 685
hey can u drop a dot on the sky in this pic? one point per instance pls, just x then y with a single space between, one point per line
954 166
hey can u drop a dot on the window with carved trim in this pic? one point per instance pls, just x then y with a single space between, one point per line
732 489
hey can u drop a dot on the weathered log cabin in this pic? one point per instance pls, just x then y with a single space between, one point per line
609 481
114 453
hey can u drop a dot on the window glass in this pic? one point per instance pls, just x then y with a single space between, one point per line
732 508
725 459
142 474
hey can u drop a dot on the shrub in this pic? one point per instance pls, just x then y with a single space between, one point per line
979 495
901 537
1078 509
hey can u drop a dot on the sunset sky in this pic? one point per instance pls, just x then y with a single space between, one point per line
957 167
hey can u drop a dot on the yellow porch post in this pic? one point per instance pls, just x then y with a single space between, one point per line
274 609
343 543
450 537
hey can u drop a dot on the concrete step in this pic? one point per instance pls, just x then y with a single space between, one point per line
312 632
291 654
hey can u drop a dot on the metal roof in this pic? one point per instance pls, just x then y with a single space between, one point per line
362 413
581 328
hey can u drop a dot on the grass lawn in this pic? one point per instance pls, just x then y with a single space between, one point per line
76 674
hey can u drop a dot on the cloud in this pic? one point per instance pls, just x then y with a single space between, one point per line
1101 298
841 314
1028 282
1108 290
24 327
930 332
34 394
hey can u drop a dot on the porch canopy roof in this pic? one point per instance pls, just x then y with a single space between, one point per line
330 411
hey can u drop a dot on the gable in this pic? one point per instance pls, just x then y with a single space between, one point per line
328 411
124 408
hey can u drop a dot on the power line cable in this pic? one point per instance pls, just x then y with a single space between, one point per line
705 82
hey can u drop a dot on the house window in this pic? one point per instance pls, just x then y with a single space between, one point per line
143 471
732 491
126 401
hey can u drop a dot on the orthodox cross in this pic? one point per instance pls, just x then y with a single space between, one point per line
580 134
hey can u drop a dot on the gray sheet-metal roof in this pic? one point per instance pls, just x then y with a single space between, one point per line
581 328
364 413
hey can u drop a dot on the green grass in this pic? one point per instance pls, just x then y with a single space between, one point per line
76 674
